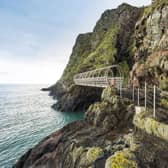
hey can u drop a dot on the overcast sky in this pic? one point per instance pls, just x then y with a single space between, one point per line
37 36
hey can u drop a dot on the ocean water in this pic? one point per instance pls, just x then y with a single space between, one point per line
26 117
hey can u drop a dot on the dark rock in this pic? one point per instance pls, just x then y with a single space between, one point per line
74 145
111 112
45 89
78 98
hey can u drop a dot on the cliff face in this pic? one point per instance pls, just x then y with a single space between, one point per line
108 44
150 47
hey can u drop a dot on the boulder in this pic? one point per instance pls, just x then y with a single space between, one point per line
151 126
111 112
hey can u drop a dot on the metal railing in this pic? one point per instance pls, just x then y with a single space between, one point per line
101 77
100 81
111 76
148 96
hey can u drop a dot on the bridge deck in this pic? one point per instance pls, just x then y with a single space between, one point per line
100 81
102 77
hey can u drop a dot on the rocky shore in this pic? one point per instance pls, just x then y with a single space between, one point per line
105 138
112 134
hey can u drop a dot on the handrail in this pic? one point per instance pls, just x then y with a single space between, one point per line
93 72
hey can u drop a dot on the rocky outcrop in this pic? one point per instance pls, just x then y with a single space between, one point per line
111 112
76 145
151 126
77 98
150 46
99 142
80 144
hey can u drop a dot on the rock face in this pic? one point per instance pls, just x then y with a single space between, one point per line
150 46
77 98
108 44
99 142
151 126
76 145
111 112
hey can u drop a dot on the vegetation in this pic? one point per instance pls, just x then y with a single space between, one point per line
80 51
84 58
164 84
155 5
125 71
108 44
120 160
164 102
105 53
94 153
159 3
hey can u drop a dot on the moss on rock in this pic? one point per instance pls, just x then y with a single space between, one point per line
151 126
164 102
102 115
149 46
108 94
111 112
94 153
164 84
123 159
106 52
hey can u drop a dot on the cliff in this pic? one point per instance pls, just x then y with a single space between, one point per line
134 38
108 44
111 135
150 46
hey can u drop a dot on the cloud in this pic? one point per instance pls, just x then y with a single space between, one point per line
20 72
36 37
3 73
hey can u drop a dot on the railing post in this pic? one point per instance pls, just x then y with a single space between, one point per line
106 80
154 101
145 95
133 93
138 96
120 85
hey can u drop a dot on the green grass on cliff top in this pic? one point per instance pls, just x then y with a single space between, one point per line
103 55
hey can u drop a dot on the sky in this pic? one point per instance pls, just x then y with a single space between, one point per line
37 36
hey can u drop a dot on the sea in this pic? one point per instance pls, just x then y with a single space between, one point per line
26 117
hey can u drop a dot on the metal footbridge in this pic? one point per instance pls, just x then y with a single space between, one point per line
102 77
